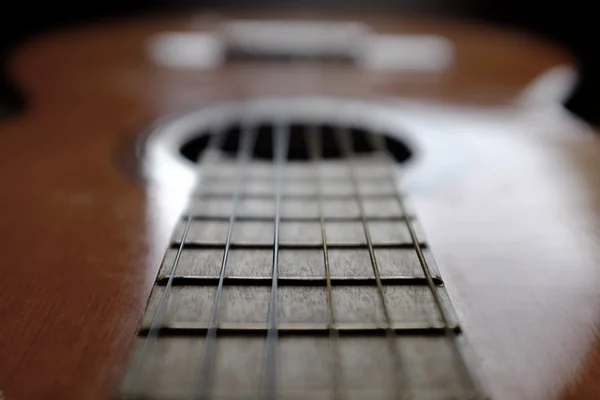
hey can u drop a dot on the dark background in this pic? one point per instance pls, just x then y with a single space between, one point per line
572 24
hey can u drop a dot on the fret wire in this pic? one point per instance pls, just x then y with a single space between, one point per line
209 157
280 153
193 329
207 280
346 148
294 179
297 246
265 218
268 196
316 153
450 331
244 154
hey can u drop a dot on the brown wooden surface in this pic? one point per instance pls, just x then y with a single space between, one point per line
513 227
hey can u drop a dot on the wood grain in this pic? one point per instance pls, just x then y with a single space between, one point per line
512 209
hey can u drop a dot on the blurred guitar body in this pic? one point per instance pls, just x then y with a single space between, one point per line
505 186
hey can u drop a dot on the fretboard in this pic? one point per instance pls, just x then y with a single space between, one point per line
298 279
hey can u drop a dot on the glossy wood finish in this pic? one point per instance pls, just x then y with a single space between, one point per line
512 211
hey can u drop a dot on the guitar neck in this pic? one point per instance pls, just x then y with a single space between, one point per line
297 270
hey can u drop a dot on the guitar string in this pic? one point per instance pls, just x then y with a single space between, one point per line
206 162
401 388
449 332
280 135
315 148
244 154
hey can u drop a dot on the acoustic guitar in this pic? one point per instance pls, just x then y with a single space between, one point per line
269 206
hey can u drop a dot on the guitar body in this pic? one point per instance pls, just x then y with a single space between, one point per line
505 187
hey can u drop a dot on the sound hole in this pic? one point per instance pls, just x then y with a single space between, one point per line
298 149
